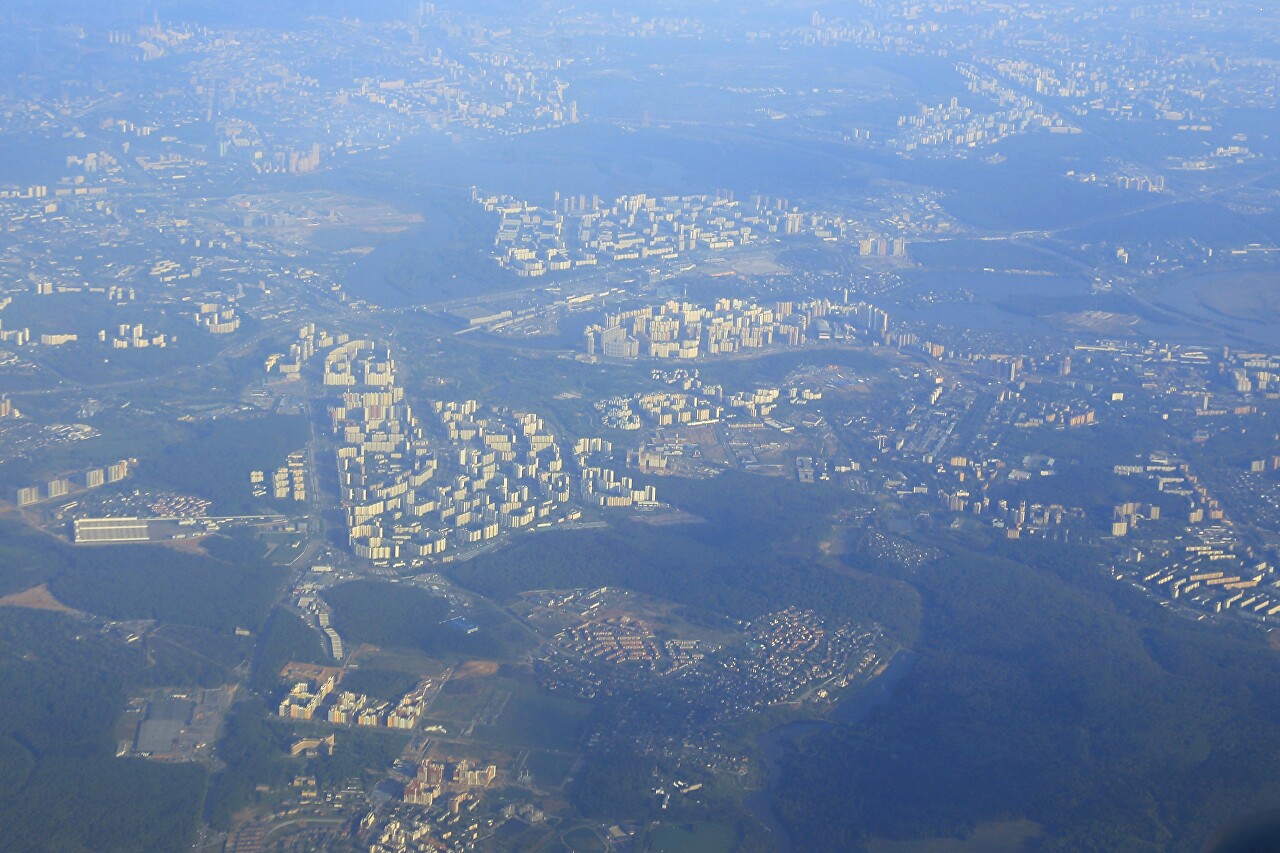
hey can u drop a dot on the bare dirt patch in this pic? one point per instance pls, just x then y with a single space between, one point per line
294 671
757 266
187 546
36 598
1095 321
475 669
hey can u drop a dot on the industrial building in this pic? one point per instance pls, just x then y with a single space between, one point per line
111 530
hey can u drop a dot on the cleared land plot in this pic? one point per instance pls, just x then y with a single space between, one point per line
694 838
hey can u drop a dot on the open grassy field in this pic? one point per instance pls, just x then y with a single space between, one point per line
991 837
692 838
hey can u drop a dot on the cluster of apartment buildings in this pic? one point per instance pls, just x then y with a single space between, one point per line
1251 372
660 408
273 119
132 336
1128 515
217 319
305 699
1022 518
601 485
951 125
22 337
1056 413
60 487
680 330
436 780
358 709
506 101
455 825
167 270
1087 61
412 490
289 481
1174 477
1270 463
1216 577
576 231
969 493
1137 183
310 341
1208 566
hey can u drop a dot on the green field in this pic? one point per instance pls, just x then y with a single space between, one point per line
407 661
387 685
549 769
533 720
583 840
527 719
459 702
693 838
995 837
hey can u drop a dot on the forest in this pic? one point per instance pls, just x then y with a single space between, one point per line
213 458
751 547
409 617
61 785
227 586
1104 719
69 677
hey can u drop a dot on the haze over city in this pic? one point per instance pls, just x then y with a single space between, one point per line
767 426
